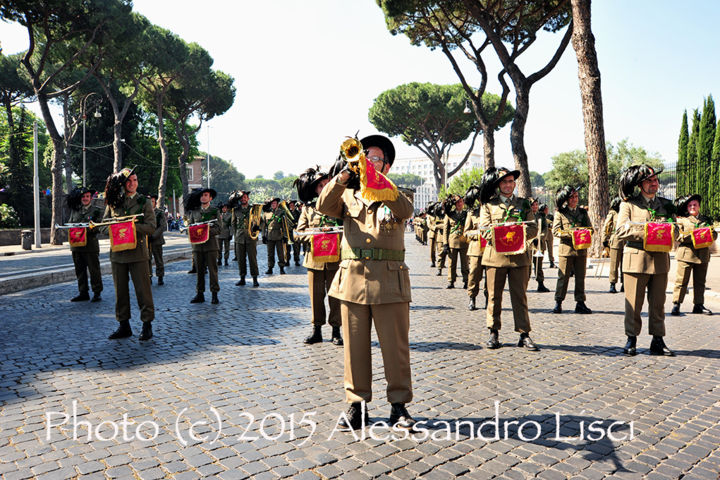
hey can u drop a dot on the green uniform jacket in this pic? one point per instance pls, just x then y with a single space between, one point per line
85 215
565 219
609 227
225 225
495 211
240 217
272 225
157 238
144 227
311 218
205 215
686 252
453 227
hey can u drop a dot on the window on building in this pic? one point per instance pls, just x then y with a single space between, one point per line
190 172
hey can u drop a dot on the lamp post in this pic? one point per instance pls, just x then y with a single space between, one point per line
96 115
208 156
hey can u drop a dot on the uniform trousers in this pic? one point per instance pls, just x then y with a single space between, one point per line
518 280
433 246
682 279
293 248
206 260
84 262
319 282
138 271
272 247
475 275
616 256
537 267
452 271
248 249
441 255
392 325
567 267
635 286
548 244
224 245
156 252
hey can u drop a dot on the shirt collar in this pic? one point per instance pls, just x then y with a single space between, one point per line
507 200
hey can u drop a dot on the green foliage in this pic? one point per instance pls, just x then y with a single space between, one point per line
713 201
407 180
8 217
278 175
460 183
264 189
225 178
706 138
682 165
692 159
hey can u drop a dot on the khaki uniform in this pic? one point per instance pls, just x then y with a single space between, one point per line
133 263
498 266
440 241
272 225
372 284
156 242
320 274
244 245
643 270
224 236
87 259
206 254
475 268
549 241
293 247
538 244
690 260
453 228
431 226
614 244
572 262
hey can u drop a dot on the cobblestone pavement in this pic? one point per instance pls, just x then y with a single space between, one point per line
260 404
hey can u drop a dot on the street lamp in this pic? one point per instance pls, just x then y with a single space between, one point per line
96 115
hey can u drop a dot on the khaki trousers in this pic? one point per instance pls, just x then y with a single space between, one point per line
682 279
616 256
209 260
635 286
224 245
272 247
433 246
518 280
452 271
319 282
548 243
475 275
567 266
122 272
392 324
88 262
156 252
250 250
537 266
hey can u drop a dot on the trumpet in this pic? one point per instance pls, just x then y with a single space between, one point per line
115 220
318 231
254 221
352 152
72 225
287 221
208 222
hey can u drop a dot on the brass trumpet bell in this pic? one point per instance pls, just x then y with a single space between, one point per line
352 152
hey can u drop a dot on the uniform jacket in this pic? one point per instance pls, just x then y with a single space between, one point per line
609 227
272 224
686 252
311 218
85 215
430 222
225 225
495 211
636 209
440 230
240 218
564 220
377 225
157 237
453 228
204 215
472 222
144 227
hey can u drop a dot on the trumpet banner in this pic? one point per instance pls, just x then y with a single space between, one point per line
702 237
77 236
122 236
483 244
326 247
509 239
199 233
375 186
581 238
658 237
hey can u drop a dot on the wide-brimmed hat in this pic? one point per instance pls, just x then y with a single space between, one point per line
74 198
212 192
563 195
632 176
306 183
682 204
615 204
383 143
490 180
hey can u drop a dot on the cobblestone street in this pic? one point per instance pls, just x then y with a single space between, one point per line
230 391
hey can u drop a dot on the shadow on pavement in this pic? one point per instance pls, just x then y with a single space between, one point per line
433 346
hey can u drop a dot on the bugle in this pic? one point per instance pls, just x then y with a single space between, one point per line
318 231
115 220
72 225
254 221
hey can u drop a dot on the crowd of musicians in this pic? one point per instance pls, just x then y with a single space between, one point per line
350 224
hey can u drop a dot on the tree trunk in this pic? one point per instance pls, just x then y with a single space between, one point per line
517 132
67 138
55 167
162 184
489 148
583 42
117 145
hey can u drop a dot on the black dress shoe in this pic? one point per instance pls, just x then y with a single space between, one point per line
494 341
526 341
542 288
282 270
255 282
82 297
580 307
123 331
193 270
558 307
471 305
226 262
630 347
268 271
701 309
439 274
240 282
146 333
315 336
214 300
297 263
552 264
612 288
96 297
450 285
658 347
465 284
219 263
355 418
336 337
432 265
199 298
161 281
676 310
400 418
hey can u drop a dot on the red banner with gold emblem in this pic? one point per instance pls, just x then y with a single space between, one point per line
702 237
375 186
658 237
581 238
199 233
325 247
509 239
483 244
77 236
122 236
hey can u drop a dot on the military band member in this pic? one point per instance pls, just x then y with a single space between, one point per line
690 259
320 273
156 241
613 244
225 234
245 236
500 205
86 258
549 240
272 226
537 245
122 200
441 253
205 254
372 284
643 270
432 227
423 229
475 249
295 245
455 243
573 262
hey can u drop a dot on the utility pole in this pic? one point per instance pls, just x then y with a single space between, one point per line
36 187
208 156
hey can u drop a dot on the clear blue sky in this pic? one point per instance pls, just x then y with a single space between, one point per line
302 84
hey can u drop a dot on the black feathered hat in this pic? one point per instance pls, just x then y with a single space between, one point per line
615 204
472 195
563 195
682 203
115 187
192 202
381 142
632 176
307 182
450 202
74 198
212 192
